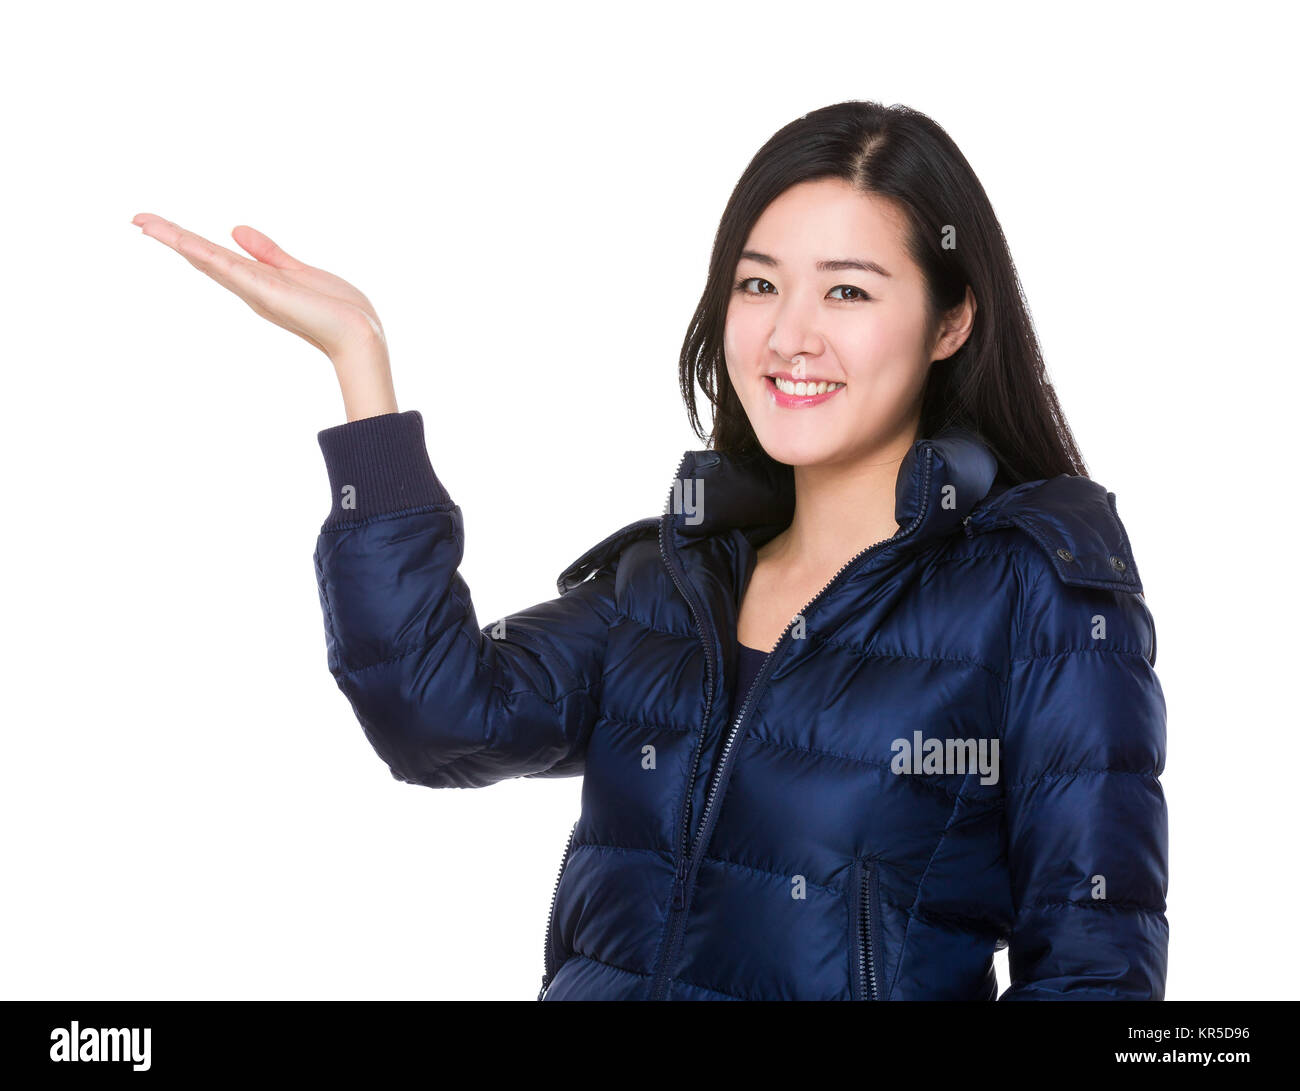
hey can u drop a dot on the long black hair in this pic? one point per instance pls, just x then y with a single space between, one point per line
994 385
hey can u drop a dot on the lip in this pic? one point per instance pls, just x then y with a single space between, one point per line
795 401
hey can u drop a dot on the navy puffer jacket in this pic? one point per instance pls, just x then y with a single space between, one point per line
955 747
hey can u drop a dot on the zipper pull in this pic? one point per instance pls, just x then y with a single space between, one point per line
679 889
966 526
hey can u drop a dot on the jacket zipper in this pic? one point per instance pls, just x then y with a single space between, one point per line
689 861
866 981
708 694
548 961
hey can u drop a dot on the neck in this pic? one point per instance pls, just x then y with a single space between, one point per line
841 508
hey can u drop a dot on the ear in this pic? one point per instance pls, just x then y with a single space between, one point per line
955 327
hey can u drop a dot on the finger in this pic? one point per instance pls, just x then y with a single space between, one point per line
200 252
156 227
268 253
257 284
264 249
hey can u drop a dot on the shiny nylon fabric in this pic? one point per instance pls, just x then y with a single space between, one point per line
1000 614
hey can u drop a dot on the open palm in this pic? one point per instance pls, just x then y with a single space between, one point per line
321 308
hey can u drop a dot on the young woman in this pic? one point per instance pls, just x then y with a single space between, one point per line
874 695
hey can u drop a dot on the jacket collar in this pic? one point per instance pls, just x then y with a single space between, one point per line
940 480
945 482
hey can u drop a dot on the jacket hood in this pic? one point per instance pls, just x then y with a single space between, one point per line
946 483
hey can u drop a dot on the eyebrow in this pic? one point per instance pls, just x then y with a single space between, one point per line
839 265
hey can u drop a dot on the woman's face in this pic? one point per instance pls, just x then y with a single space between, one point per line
859 320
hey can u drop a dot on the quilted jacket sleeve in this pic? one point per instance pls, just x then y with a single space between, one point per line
1083 746
443 701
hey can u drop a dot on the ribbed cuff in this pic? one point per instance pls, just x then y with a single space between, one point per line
378 466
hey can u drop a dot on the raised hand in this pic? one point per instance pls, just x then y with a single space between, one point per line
321 308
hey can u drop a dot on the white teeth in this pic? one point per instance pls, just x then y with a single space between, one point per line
803 388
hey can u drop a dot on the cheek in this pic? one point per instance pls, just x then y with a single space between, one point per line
736 345
743 331
731 351
890 348
730 333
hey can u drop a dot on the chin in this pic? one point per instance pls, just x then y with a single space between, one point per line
802 450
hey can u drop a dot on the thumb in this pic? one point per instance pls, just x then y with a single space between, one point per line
264 249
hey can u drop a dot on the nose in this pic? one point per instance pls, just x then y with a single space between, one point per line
794 339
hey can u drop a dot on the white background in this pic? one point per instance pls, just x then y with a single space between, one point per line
529 198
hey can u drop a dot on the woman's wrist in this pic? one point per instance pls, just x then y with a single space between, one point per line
365 379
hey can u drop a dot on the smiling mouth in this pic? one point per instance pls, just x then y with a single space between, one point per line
784 393
802 388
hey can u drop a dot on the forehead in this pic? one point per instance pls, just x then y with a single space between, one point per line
826 219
